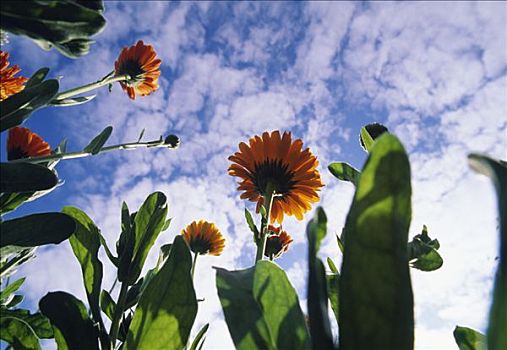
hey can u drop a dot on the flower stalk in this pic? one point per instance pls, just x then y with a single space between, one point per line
108 79
268 200
194 262
118 312
80 154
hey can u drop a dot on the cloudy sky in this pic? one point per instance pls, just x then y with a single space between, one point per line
434 72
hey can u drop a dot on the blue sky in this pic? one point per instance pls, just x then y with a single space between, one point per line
434 72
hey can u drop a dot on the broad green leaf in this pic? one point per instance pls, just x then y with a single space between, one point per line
320 327
376 302
85 243
200 338
11 288
15 109
148 224
345 172
22 330
37 78
497 171
25 177
168 303
251 225
468 339
36 229
430 261
107 304
333 292
279 303
74 330
98 141
244 316
72 101
66 25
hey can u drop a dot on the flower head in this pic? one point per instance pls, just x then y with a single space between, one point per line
23 143
277 243
140 62
204 238
283 164
9 85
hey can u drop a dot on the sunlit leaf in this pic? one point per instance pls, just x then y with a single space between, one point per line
251 225
10 289
98 141
376 302
497 171
344 172
22 330
468 339
74 330
168 303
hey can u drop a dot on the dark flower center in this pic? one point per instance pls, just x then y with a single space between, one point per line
132 68
200 246
17 153
274 172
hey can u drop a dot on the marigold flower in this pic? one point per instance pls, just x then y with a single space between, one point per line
9 85
140 63
23 143
204 238
277 242
281 162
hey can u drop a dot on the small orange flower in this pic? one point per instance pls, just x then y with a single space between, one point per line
204 238
23 143
140 63
281 162
277 243
9 85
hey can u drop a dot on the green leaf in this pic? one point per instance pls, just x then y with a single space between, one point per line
168 303
376 302
251 224
244 316
36 230
72 101
279 303
366 139
320 327
345 172
85 243
497 171
11 288
107 304
73 328
98 141
37 78
370 133
430 261
11 201
148 224
422 252
15 109
22 330
21 256
333 292
200 338
66 25
468 339
25 177
332 266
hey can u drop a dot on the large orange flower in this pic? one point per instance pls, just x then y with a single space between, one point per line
140 62
281 162
277 242
204 238
9 85
23 143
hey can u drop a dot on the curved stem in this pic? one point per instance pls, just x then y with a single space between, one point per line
118 312
108 79
268 200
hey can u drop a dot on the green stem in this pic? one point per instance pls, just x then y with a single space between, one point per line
118 313
268 200
81 154
193 265
108 79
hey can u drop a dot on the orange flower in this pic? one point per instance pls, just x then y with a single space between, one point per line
277 243
9 85
23 143
291 171
204 238
140 63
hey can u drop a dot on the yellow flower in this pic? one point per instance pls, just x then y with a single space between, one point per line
281 162
140 62
277 243
204 238
9 85
23 143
